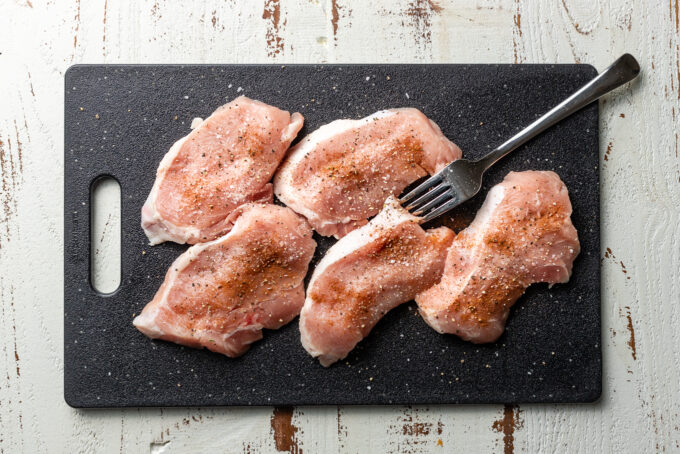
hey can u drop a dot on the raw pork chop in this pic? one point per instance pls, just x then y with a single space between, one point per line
219 295
227 160
364 275
340 175
522 234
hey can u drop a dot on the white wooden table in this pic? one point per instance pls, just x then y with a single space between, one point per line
640 170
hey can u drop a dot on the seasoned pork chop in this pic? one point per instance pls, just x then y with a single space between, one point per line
221 294
522 234
340 175
227 160
364 275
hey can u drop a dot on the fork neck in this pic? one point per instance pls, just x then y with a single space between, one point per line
500 151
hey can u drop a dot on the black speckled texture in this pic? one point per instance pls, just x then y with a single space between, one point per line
549 353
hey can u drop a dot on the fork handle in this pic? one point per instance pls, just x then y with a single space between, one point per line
623 70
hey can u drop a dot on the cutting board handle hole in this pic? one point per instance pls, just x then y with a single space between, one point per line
105 235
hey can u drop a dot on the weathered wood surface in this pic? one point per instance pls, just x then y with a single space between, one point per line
640 171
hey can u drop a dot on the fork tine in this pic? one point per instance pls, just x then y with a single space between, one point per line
434 203
422 188
427 197
452 203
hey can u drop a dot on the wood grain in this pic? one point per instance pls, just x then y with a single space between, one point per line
640 169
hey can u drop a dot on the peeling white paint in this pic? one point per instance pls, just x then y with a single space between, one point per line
638 411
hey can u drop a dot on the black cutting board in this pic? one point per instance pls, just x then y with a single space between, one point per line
120 121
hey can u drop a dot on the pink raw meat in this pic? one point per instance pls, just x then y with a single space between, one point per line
341 174
226 161
366 274
522 234
221 294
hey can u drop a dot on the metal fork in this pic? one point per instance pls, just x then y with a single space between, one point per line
462 179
